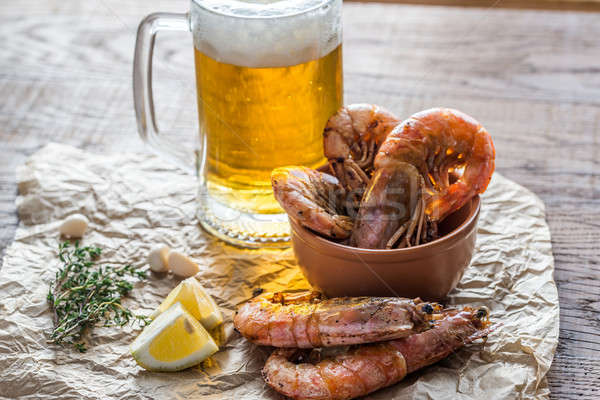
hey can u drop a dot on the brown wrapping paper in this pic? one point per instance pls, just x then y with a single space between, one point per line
135 201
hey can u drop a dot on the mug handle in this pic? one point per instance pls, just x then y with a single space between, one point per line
142 87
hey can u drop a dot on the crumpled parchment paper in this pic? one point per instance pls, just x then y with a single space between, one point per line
135 201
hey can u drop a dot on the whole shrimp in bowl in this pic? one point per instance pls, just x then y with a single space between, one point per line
452 156
313 198
351 139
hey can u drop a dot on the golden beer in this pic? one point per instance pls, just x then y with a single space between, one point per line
268 76
257 119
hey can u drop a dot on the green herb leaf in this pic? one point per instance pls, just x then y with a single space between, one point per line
84 295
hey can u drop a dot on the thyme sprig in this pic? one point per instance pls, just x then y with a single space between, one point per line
84 295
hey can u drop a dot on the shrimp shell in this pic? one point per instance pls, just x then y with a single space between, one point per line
313 198
434 144
351 139
438 142
390 202
302 321
366 368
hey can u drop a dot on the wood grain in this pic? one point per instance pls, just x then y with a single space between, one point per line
579 5
532 77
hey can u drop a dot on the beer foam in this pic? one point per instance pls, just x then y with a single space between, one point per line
266 33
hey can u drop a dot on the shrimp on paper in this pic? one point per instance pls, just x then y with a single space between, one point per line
305 320
366 368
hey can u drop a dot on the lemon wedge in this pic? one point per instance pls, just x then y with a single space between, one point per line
175 340
195 300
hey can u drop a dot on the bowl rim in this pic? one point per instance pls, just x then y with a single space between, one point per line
324 245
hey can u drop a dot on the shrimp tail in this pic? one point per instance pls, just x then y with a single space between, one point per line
451 333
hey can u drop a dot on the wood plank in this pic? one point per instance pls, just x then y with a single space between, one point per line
532 77
574 377
564 5
134 7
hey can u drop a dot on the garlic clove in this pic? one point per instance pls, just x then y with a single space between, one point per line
74 226
158 258
182 265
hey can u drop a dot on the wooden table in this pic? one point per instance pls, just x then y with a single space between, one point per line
532 77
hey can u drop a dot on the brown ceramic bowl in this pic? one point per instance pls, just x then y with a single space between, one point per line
429 271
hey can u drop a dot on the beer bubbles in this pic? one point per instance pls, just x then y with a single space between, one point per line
266 34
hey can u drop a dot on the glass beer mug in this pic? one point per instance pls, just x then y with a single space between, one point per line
268 76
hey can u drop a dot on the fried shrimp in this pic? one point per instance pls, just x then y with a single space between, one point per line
437 143
305 320
366 368
313 198
351 140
